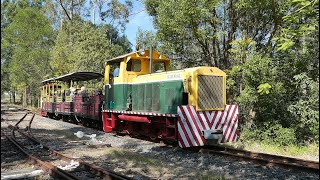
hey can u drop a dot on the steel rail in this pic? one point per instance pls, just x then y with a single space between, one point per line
51 169
270 159
107 174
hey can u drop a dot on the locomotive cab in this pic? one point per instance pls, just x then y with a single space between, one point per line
120 72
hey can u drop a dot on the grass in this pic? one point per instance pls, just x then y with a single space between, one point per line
134 157
18 104
156 166
202 176
310 152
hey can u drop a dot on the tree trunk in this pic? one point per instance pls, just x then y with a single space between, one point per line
21 97
94 11
25 100
14 97
71 9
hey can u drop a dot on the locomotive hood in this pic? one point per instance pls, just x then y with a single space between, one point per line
206 86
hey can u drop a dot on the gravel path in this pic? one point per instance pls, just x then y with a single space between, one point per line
143 159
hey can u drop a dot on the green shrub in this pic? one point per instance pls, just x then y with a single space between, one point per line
275 134
284 136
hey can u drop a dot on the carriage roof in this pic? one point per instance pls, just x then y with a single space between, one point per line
75 76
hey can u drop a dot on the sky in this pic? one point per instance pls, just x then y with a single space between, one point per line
140 18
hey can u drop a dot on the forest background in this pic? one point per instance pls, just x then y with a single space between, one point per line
269 49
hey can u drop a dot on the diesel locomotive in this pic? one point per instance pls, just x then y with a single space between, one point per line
142 97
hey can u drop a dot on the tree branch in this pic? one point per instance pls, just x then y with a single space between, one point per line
64 9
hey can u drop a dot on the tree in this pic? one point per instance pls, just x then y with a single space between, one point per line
269 49
112 34
80 46
29 36
189 24
146 39
115 12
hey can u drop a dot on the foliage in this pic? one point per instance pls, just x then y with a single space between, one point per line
80 46
53 39
122 42
116 12
146 39
306 109
264 88
8 10
189 24
274 134
273 104
299 23
308 151
29 37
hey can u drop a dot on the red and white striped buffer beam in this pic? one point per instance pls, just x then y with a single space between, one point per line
191 124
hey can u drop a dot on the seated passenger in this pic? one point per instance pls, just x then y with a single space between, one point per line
83 93
72 92
98 92
63 95
68 93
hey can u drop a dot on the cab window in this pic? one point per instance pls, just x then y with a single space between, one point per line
159 67
134 65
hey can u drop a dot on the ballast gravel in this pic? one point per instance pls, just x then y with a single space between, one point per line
141 159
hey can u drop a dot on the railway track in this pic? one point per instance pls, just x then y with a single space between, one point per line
56 164
267 159
263 158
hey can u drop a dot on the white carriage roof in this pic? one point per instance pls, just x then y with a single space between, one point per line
75 76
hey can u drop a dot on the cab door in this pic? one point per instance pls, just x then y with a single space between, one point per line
108 82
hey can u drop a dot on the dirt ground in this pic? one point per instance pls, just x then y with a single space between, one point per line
137 158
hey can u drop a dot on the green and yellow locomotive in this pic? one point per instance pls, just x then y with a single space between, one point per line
142 97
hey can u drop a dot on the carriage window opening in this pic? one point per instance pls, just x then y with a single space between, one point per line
134 65
159 67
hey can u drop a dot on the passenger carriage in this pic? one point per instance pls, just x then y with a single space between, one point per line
60 100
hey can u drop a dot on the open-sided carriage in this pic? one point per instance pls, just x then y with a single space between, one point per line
60 100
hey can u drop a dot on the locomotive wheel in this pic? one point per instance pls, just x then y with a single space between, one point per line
50 115
57 116
76 120
86 123
153 138
65 118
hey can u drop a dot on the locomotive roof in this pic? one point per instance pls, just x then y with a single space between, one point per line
75 76
137 54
